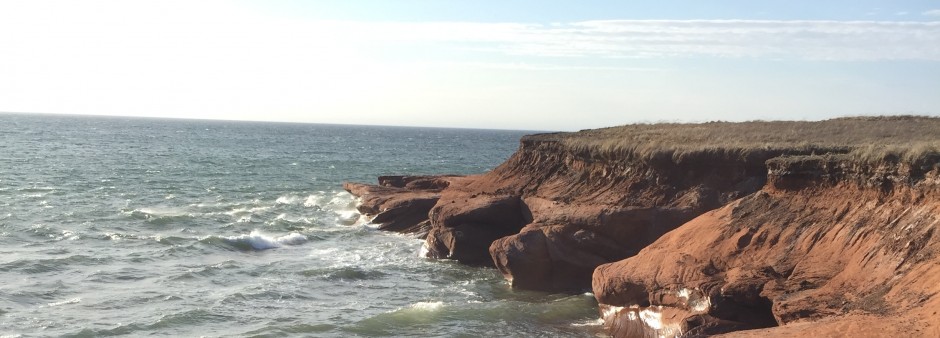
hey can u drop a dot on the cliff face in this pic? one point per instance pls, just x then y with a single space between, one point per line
549 215
839 240
799 228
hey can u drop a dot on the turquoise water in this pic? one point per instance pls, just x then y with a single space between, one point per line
122 226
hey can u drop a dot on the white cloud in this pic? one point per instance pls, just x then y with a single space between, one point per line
214 59
794 39
545 67
932 12
811 40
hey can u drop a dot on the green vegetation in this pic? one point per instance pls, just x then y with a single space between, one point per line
897 138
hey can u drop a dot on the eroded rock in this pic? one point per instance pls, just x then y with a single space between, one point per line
464 225
400 203
808 247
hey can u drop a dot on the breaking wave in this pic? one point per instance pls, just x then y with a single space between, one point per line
258 241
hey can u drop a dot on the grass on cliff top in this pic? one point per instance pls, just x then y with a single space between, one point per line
905 138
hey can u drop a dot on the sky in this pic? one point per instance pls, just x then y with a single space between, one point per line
509 64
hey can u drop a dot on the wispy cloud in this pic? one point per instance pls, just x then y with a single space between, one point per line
932 12
547 67
810 40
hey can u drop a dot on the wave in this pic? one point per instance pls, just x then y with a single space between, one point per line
320 207
167 322
570 315
289 200
257 241
427 306
37 266
160 215
345 273
348 217
280 330
65 302
45 231
313 201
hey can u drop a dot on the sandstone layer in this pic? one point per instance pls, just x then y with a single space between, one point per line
825 239
400 203
790 228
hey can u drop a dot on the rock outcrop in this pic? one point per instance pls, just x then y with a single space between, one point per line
826 238
774 228
400 203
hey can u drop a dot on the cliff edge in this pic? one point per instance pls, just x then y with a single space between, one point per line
701 229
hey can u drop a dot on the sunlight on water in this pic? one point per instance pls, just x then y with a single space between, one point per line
114 226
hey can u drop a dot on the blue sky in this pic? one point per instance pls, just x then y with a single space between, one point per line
547 65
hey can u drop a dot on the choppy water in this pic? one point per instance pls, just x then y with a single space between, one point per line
119 226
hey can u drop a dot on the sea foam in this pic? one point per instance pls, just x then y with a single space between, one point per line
259 241
427 306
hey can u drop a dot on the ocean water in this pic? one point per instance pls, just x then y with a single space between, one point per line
127 227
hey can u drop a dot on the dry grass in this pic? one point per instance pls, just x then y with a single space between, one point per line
899 138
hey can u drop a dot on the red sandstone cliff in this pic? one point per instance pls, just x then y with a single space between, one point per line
826 239
713 228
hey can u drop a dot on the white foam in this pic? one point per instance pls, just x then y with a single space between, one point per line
427 306
162 212
64 302
610 311
652 318
694 301
288 199
68 235
424 251
343 201
313 201
245 210
259 241
285 217
347 218
292 239
589 322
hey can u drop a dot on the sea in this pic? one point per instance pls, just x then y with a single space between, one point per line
117 226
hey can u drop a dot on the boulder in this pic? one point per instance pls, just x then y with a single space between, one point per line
464 225
400 203
552 257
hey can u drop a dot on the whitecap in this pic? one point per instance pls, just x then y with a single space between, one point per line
424 251
347 218
68 235
292 220
427 306
588 322
292 239
287 199
259 241
313 201
64 302
160 212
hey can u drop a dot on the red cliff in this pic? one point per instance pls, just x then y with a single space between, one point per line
793 228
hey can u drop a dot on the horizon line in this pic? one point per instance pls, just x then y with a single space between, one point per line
176 118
